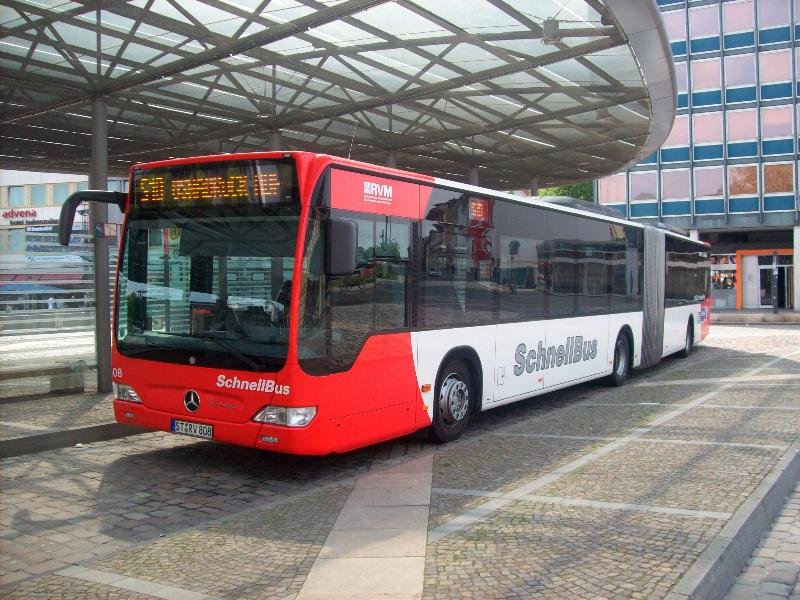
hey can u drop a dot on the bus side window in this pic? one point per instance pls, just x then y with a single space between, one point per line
562 285
518 278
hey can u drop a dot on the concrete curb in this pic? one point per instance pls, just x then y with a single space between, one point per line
42 395
63 439
792 318
717 569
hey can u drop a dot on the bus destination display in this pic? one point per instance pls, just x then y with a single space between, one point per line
212 184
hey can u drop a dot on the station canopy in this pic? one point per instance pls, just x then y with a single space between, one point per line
558 90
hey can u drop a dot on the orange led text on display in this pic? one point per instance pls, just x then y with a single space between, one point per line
478 210
193 189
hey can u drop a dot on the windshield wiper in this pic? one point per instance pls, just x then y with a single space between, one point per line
222 343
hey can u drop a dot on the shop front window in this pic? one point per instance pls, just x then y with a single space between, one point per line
723 280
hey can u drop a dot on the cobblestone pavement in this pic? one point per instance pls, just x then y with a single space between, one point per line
589 492
774 569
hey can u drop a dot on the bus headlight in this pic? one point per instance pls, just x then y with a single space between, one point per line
288 416
123 391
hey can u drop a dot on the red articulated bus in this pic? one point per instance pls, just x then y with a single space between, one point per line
309 304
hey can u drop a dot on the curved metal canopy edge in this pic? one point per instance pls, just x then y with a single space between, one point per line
557 90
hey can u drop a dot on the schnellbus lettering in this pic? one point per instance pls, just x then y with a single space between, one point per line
267 386
574 350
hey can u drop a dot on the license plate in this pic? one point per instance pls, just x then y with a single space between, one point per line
194 429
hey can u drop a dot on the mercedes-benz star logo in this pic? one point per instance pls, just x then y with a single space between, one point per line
191 401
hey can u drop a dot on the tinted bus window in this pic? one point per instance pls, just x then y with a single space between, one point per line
561 264
518 277
687 272
593 249
457 258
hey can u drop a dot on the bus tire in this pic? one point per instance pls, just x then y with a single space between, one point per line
687 346
622 361
455 393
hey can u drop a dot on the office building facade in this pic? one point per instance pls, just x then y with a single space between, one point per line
728 172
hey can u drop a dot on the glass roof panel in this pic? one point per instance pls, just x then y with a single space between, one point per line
75 36
472 58
571 13
291 45
114 21
168 9
476 16
342 69
572 73
228 27
342 35
243 5
516 80
376 75
284 11
405 23
11 18
620 62
160 37
138 53
557 101
53 5
526 47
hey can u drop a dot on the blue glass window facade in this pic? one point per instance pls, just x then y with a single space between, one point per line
733 148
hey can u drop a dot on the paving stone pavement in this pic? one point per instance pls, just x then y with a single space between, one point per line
773 571
588 492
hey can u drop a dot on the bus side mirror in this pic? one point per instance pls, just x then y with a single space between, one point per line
341 243
67 218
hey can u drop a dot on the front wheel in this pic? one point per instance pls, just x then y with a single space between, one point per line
622 362
454 399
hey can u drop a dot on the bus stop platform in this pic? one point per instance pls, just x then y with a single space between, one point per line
659 489
39 423
753 316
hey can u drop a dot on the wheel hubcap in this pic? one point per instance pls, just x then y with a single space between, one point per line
453 399
621 358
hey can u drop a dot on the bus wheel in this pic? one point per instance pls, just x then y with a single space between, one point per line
453 402
687 346
622 362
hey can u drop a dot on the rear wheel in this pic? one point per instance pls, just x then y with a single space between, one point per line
622 361
687 345
454 398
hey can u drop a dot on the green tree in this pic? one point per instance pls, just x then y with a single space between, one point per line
582 191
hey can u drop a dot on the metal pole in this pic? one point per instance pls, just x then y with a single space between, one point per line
275 140
774 283
534 185
473 175
98 180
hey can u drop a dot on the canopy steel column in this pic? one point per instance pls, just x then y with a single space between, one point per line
275 140
391 159
473 176
98 180
796 267
534 186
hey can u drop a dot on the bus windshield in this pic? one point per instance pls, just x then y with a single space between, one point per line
206 283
